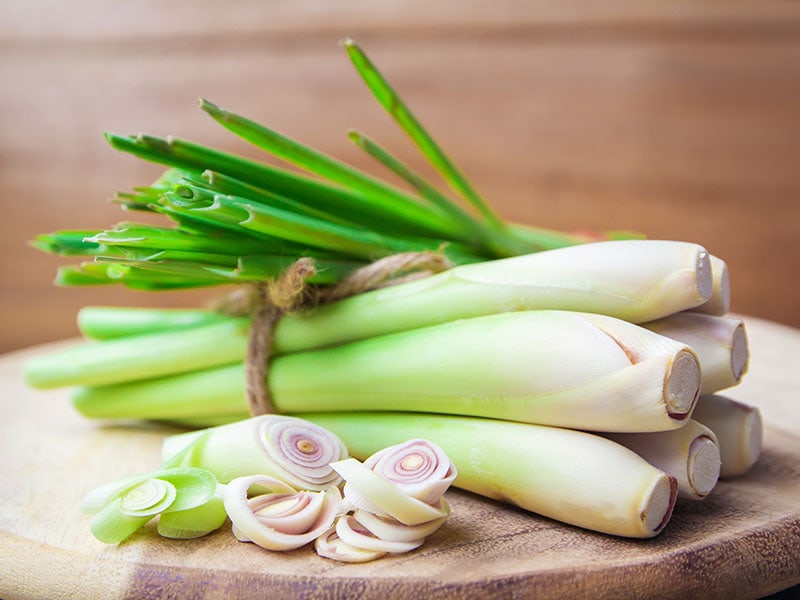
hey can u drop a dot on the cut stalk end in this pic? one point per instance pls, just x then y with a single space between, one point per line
682 386
659 503
740 352
703 466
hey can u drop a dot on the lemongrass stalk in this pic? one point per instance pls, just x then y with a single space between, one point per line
548 367
720 301
739 429
635 280
201 394
141 357
109 322
571 476
292 450
690 454
720 343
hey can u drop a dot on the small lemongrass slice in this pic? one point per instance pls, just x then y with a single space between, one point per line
330 545
287 448
691 454
391 530
720 301
194 522
386 496
278 530
738 427
353 533
418 467
720 344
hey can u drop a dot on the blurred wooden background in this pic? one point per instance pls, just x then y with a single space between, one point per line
680 120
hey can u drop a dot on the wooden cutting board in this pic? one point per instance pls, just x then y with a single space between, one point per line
743 541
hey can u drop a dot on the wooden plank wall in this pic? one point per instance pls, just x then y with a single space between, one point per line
679 120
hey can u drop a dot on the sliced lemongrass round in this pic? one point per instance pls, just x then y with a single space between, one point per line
287 448
352 532
391 530
251 526
386 496
149 498
418 467
330 545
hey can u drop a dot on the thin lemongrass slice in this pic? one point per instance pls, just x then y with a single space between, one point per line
108 322
290 449
739 428
691 454
353 533
135 358
548 367
330 545
385 495
567 475
397 109
250 527
720 301
392 530
634 280
720 343
418 467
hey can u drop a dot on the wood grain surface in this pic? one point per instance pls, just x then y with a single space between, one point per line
743 541
677 119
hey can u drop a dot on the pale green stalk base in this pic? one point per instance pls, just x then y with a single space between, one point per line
570 476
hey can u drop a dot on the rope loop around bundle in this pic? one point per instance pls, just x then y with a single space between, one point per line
266 302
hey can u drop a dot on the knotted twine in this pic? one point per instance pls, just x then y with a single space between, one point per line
267 302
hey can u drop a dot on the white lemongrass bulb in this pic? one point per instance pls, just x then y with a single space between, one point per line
691 454
739 428
720 301
720 343
567 369
278 518
635 280
330 545
571 476
287 448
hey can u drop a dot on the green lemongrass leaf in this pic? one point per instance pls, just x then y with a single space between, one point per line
193 522
79 275
109 322
133 358
69 243
111 526
238 212
231 186
312 160
185 396
477 230
388 98
142 276
345 203
134 235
